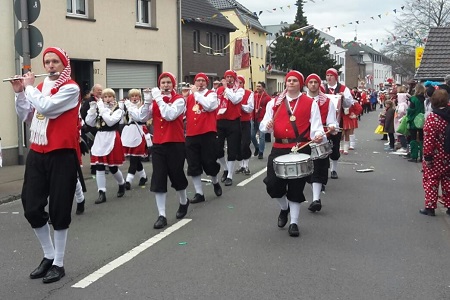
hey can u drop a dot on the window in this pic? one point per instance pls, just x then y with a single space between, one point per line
257 50
77 7
144 9
196 40
222 43
209 43
262 53
251 49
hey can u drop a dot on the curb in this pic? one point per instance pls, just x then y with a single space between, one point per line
10 198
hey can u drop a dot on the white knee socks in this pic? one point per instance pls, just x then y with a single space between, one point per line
60 246
43 235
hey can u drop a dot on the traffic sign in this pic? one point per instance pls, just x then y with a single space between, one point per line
34 8
36 41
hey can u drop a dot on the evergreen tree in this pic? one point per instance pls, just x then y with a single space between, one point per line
303 50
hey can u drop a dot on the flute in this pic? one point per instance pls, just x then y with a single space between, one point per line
38 75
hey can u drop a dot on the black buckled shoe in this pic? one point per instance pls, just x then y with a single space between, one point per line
121 190
293 230
54 274
127 186
143 181
228 182
316 205
240 170
247 171
428 212
334 175
197 198
224 176
80 208
42 269
160 223
283 217
182 210
101 197
217 189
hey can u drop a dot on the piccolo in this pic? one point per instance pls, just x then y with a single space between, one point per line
38 75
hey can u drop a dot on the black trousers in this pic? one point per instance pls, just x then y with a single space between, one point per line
168 161
277 187
201 154
320 173
246 139
50 178
336 139
229 130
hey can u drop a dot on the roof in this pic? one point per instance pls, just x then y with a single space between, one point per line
202 11
245 15
435 64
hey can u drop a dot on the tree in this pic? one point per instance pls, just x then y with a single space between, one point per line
411 30
304 51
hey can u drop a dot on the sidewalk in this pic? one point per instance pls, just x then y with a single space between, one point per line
11 180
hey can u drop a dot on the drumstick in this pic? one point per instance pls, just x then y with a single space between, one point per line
306 144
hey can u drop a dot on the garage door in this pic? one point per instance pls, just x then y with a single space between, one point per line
126 75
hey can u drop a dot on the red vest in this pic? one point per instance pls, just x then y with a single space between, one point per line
233 110
167 131
324 111
246 116
261 101
282 126
62 132
199 123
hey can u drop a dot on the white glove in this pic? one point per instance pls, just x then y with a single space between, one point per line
228 93
101 107
156 93
147 96
92 105
128 103
346 111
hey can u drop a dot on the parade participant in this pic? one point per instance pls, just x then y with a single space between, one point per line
52 162
134 139
229 124
216 85
328 120
107 151
201 136
261 99
246 116
346 100
294 119
349 124
168 151
436 167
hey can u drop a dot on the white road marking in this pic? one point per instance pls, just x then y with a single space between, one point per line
85 282
242 183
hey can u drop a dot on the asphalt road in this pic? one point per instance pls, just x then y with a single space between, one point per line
368 242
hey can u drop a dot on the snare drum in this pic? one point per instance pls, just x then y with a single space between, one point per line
293 165
319 151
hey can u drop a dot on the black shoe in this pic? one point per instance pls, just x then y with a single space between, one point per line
217 189
428 212
240 170
247 171
334 175
80 208
160 223
448 211
224 176
182 210
228 182
143 181
54 274
121 190
101 197
293 230
412 160
260 155
256 152
323 188
127 186
316 205
197 198
42 269
283 217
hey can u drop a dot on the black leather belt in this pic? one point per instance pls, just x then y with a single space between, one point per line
289 141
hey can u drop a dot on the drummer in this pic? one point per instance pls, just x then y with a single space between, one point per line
328 119
294 119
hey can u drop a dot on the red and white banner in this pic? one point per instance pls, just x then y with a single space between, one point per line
241 54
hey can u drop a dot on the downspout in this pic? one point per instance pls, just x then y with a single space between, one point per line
179 43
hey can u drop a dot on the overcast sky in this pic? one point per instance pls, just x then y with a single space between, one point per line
330 13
